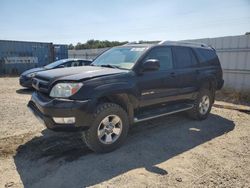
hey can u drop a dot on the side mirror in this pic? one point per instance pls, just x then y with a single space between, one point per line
151 65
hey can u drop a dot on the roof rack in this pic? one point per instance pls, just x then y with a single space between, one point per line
129 43
175 43
185 43
142 42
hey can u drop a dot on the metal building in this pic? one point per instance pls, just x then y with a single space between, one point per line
60 51
18 56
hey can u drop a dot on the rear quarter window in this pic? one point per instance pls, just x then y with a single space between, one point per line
206 56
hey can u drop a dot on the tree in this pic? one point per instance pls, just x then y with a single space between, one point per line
70 46
90 44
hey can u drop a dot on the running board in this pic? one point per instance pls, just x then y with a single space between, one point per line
162 112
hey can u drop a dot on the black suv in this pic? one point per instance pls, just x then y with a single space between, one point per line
126 85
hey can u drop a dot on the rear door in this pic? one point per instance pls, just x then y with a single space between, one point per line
187 71
158 86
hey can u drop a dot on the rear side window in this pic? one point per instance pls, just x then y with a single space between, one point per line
68 64
72 64
184 57
164 55
75 64
85 63
206 55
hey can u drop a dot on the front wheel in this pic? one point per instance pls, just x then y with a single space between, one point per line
202 105
109 128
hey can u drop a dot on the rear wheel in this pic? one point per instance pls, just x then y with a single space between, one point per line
109 128
202 105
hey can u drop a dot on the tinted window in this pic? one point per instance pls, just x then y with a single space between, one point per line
68 64
72 64
75 64
184 57
164 55
205 55
56 64
86 62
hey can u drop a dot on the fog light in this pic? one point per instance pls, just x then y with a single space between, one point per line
64 120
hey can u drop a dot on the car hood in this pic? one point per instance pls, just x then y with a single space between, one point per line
78 73
32 71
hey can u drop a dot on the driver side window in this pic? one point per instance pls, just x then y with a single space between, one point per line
164 55
75 63
72 64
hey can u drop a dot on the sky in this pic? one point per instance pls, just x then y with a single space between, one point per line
72 21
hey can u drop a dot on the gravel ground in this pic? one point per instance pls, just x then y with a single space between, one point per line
172 151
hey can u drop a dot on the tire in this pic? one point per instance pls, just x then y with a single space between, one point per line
196 112
98 136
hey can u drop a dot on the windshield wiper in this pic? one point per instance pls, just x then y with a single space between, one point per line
111 66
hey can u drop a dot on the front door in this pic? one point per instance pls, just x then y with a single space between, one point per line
161 85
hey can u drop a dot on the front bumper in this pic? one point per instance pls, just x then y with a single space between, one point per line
25 81
45 108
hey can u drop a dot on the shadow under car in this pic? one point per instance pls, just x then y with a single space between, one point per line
63 160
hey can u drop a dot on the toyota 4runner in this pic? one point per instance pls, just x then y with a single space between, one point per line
126 85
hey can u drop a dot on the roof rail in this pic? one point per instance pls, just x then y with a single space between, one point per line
142 42
185 43
134 42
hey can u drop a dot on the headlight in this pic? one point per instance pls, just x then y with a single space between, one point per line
64 90
31 75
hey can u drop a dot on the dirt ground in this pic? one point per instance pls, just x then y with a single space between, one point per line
172 151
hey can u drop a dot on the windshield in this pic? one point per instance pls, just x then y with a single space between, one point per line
55 64
121 57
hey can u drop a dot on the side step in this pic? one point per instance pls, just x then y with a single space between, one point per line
162 111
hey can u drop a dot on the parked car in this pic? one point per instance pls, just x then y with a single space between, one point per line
26 77
126 85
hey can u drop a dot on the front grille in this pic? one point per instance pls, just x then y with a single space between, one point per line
40 85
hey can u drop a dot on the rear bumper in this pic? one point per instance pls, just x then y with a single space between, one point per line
45 109
220 84
25 81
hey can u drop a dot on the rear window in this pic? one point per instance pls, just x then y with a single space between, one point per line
206 55
184 57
